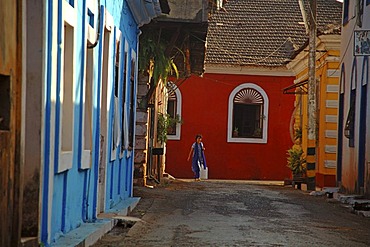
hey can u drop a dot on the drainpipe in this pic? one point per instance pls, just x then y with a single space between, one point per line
151 143
86 199
98 30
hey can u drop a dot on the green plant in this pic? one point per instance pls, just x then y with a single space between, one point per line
165 121
153 58
296 161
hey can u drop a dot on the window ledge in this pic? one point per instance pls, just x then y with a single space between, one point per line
65 161
247 140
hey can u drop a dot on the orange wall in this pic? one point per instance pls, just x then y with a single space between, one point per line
205 110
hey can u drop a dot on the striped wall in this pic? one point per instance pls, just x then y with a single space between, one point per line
320 154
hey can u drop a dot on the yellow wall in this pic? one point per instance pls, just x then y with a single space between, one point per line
327 75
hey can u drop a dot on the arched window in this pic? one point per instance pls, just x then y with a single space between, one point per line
174 111
248 114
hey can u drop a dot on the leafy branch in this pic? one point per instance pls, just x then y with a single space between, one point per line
165 121
153 58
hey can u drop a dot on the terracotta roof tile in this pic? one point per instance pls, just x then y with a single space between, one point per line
263 32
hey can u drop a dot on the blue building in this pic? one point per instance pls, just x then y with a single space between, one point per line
88 57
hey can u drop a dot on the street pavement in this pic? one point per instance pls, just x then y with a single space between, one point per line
236 213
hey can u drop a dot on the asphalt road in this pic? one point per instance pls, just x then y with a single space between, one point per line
237 213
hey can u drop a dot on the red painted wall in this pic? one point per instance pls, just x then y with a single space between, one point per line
205 111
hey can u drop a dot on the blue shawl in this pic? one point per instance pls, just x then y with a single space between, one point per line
195 159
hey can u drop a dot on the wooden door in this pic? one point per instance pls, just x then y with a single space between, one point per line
11 187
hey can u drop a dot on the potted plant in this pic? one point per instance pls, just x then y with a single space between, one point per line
296 162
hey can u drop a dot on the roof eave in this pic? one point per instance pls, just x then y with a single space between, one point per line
144 11
247 70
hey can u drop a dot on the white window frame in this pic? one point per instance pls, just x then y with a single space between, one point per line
90 34
87 124
91 31
230 138
116 105
70 19
177 136
133 101
124 145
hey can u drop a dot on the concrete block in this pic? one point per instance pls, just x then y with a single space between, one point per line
141 130
331 190
141 117
317 193
140 144
142 89
304 187
139 157
364 213
348 198
362 205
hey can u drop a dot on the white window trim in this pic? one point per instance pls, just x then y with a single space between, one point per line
133 57
178 112
86 153
91 31
107 31
69 18
116 107
86 158
230 138
125 104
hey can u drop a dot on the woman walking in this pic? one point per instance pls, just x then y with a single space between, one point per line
198 158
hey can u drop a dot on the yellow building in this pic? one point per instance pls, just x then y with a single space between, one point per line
327 77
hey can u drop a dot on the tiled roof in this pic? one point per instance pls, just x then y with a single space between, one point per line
263 32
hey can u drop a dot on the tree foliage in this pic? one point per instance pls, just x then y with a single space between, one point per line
165 121
153 58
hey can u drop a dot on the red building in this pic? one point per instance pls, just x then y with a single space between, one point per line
238 104
208 105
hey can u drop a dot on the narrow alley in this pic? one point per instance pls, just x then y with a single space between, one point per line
236 213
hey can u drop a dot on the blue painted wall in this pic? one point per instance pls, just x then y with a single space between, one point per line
69 197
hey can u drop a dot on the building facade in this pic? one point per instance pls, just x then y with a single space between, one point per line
68 75
238 103
208 105
179 36
353 174
327 60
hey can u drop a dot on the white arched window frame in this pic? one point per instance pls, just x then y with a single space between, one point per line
177 92
265 106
